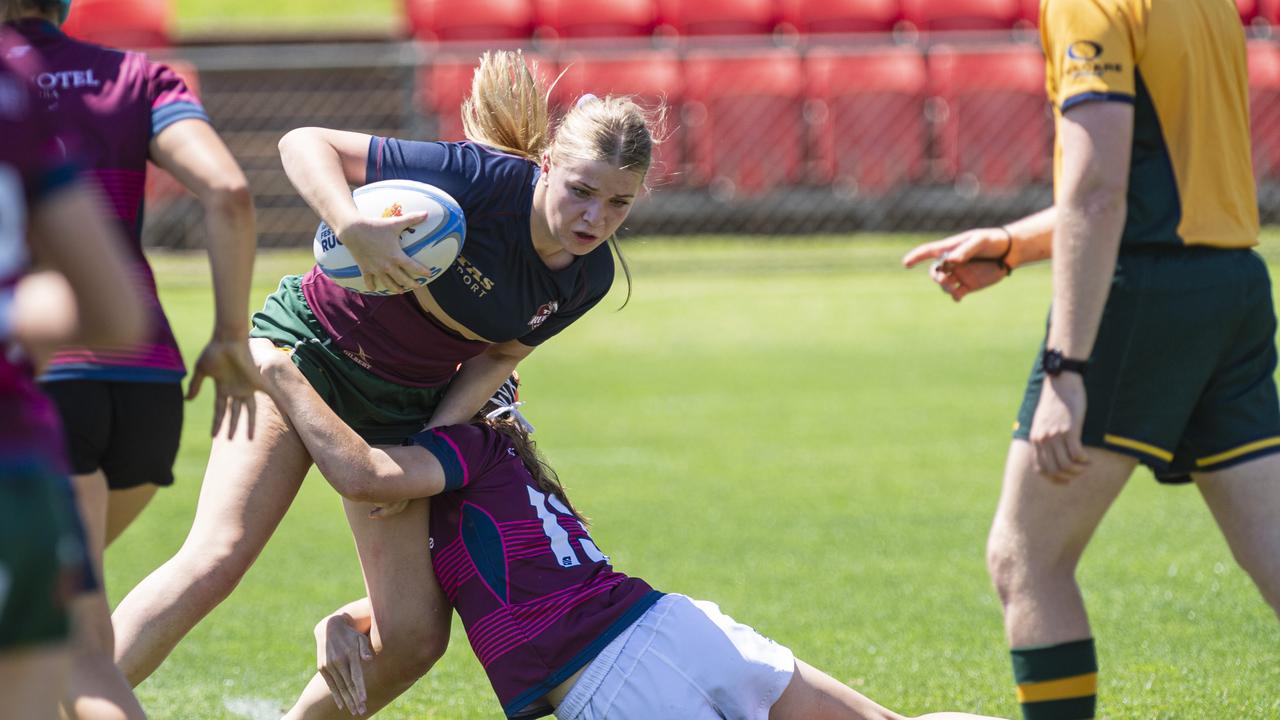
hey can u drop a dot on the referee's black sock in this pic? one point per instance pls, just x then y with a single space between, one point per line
1057 682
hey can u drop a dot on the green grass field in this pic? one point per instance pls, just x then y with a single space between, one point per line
800 431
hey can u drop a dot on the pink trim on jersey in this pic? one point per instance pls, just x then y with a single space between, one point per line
123 191
154 356
453 567
466 471
511 626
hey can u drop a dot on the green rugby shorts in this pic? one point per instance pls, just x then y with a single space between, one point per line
43 561
382 412
1182 372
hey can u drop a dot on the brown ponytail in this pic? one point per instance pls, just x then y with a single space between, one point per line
544 476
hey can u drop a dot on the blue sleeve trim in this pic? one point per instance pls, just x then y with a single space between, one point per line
111 373
455 476
1100 96
167 115
53 180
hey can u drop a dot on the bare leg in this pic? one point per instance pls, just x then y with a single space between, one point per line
1040 531
1245 500
97 690
32 682
814 695
124 506
248 486
410 614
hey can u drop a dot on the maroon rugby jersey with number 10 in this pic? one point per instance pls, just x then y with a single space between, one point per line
538 599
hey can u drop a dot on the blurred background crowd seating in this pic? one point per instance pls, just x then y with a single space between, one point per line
784 116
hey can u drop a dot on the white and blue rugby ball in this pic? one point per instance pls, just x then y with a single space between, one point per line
434 242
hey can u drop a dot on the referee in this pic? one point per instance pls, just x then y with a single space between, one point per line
1160 348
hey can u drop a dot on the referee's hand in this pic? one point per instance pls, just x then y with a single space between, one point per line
964 263
1057 427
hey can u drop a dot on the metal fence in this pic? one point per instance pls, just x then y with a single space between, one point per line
764 137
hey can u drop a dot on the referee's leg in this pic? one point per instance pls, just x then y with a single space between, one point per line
1040 530
1245 501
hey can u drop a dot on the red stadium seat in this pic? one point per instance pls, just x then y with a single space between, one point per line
122 23
871 133
1029 13
841 16
1264 108
994 126
652 76
1248 10
446 82
470 19
1268 12
745 119
718 17
593 19
936 15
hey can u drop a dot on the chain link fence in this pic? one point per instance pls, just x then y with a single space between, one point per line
858 133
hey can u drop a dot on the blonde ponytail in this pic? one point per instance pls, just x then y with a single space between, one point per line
507 108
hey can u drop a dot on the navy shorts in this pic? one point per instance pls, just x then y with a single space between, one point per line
128 430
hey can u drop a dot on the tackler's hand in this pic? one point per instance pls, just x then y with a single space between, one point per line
340 653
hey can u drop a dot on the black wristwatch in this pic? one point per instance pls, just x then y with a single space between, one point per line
1053 363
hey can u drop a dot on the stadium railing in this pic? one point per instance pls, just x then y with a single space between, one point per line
768 133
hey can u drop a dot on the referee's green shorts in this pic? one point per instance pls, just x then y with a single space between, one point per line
381 411
43 560
1182 372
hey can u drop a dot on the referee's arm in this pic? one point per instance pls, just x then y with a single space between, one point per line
1096 139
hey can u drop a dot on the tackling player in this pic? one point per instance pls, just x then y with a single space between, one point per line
1161 341
555 626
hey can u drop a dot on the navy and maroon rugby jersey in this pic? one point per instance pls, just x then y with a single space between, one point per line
111 104
537 597
498 288
31 168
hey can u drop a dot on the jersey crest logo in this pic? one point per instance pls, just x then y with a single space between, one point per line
1084 50
543 313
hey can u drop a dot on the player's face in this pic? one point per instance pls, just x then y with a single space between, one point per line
586 201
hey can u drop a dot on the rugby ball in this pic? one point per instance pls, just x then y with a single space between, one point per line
435 242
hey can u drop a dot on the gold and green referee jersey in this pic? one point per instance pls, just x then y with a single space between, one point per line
1190 176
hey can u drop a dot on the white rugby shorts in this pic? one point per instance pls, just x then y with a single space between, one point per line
682 660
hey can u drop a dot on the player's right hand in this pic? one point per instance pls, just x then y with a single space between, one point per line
966 262
374 244
340 652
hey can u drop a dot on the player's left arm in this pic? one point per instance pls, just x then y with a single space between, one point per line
477 380
192 152
1096 138
357 470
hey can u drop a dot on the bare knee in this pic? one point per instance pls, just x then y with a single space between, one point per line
411 649
210 569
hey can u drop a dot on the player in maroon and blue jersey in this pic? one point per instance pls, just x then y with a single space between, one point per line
43 560
555 626
540 209
122 408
